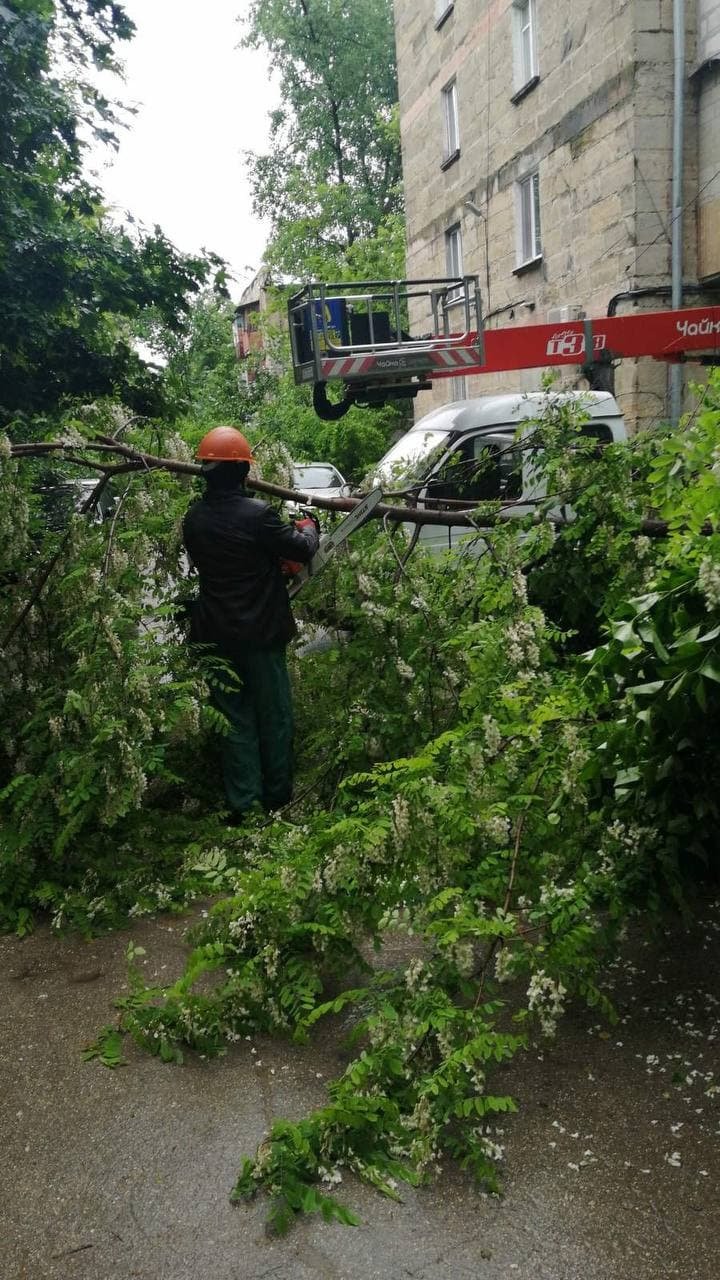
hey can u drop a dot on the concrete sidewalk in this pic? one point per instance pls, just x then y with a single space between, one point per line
126 1174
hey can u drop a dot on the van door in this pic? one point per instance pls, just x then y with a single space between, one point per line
481 467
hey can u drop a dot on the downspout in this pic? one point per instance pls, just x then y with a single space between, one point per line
676 378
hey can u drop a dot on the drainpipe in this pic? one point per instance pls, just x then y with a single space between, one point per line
676 378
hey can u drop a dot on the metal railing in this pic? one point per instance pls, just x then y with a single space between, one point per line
373 317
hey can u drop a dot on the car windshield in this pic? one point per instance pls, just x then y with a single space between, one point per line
316 478
408 460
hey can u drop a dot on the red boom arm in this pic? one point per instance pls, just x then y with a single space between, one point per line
663 335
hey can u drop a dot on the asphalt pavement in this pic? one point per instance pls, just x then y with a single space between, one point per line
611 1166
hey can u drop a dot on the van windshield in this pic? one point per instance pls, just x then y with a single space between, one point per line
408 460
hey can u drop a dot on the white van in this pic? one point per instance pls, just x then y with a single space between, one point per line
462 454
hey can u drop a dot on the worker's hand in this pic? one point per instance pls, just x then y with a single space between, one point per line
308 521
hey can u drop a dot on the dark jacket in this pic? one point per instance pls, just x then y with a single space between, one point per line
236 544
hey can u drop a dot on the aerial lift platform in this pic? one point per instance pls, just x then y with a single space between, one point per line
358 335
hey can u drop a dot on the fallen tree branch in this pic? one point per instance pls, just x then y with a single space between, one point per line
137 460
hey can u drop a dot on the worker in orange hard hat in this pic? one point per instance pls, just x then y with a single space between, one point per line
243 615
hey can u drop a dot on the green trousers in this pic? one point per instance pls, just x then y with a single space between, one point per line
257 750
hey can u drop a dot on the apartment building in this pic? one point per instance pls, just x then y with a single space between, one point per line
538 154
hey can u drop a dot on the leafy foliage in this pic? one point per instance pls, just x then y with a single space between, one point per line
496 805
509 754
72 286
332 176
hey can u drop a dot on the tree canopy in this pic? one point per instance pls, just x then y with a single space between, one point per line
332 175
72 285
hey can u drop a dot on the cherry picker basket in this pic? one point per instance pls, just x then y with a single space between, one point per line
360 334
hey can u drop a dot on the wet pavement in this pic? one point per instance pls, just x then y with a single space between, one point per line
611 1167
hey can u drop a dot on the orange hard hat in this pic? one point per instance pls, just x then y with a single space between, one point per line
224 444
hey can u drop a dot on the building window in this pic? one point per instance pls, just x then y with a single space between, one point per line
524 44
451 141
529 241
453 251
442 9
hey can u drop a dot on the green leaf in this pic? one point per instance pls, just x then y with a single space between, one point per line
107 1049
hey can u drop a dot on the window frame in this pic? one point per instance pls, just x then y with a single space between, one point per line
503 471
526 72
443 9
451 122
528 221
453 236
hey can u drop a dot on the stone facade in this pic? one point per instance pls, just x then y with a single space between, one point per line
707 79
595 124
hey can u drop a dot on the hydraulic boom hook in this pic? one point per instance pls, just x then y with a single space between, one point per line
331 410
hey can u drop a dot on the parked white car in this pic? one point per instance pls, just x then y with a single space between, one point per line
462 453
320 478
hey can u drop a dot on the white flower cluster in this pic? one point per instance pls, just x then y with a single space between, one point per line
577 756
331 872
401 818
522 650
546 998
378 611
709 581
175 447
462 954
552 893
71 437
417 977
493 736
504 965
519 586
632 838
288 878
497 828
422 1124
241 927
486 1141
271 960
405 671
5 448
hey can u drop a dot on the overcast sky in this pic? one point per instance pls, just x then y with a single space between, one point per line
201 102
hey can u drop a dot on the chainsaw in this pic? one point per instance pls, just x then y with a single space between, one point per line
331 541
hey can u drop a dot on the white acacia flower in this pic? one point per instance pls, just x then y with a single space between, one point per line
709 582
493 736
546 998
401 818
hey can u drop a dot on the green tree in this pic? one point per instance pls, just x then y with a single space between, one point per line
203 379
331 187
332 175
72 286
